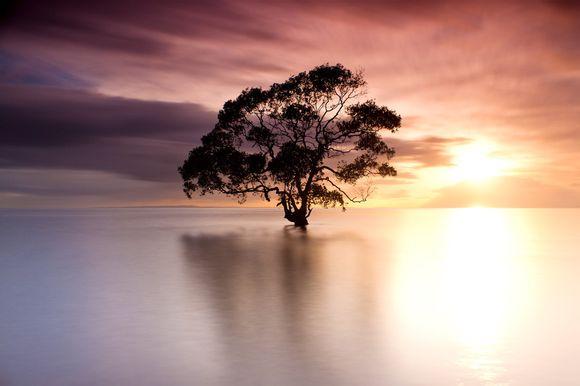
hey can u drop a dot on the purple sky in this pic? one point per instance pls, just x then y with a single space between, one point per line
100 101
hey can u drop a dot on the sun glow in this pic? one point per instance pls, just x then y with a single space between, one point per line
476 163
470 281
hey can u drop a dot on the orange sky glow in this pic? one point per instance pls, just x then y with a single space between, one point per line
489 93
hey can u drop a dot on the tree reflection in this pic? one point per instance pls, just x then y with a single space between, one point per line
288 301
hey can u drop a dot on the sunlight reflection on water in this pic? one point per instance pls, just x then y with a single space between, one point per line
398 297
477 283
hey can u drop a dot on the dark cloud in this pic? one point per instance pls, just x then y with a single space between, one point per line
37 116
564 6
55 128
134 27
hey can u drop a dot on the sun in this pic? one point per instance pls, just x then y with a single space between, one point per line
476 163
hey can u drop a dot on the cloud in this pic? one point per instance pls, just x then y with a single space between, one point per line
37 116
206 50
65 129
430 151
506 72
132 27
17 70
506 192
78 188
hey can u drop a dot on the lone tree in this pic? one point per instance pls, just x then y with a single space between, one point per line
299 142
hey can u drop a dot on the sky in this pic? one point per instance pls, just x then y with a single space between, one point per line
101 101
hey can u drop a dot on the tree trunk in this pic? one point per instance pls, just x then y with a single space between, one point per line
300 217
300 220
297 216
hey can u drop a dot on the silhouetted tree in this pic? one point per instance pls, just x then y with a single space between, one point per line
300 141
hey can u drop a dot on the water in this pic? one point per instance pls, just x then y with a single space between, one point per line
232 296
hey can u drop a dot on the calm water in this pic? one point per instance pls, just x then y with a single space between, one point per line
232 296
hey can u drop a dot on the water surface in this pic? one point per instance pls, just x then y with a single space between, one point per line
233 296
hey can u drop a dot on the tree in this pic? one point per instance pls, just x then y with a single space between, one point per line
300 142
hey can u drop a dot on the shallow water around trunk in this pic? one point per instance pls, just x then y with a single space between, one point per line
235 296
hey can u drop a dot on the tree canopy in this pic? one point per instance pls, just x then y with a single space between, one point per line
300 142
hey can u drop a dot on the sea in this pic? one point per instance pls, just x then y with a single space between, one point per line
238 296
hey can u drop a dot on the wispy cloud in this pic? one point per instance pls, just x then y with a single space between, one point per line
458 72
